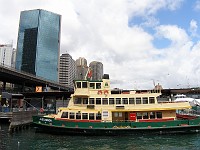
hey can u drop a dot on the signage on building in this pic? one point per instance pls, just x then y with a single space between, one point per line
38 89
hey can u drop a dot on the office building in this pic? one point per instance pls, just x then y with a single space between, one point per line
67 70
38 45
6 55
97 70
81 68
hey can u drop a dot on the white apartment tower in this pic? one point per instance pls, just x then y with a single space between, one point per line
81 68
6 55
67 70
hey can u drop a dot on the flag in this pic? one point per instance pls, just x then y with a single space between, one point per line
89 75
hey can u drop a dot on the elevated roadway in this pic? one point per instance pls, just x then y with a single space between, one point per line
11 75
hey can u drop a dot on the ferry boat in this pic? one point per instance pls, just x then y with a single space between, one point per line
94 109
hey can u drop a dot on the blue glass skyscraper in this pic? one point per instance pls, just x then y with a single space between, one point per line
38 46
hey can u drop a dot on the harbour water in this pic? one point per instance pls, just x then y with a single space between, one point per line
29 140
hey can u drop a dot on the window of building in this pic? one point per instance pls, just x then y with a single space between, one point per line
111 101
138 100
118 100
139 115
78 115
124 100
71 115
92 86
91 116
98 85
104 101
64 115
77 100
145 100
131 101
78 84
151 100
84 84
152 115
85 100
84 115
91 101
159 114
98 101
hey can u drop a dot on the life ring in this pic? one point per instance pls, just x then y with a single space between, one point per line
99 92
41 110
106 92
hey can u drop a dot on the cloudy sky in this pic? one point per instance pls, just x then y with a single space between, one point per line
140 42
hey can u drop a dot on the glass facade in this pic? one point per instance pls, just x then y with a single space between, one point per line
38 45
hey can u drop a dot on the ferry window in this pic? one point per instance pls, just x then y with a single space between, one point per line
71 115
85 100
98 85
111 101
98 101
151 100
131 101
91 116
105 101
77 101
84 115
118 100
84 84
145 115
138 100
78 84
78 115
145 100
159 114
92 85
117 114
152 115
91 101
124 100
64 115
98 116
139 115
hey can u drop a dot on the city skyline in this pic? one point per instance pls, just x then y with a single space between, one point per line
139 42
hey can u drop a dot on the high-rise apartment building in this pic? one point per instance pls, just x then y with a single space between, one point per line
38 46
6 55
97 70
67 70
81 68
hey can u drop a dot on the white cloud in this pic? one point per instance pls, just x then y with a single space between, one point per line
99 30
176 35
193 28
197 5
150 7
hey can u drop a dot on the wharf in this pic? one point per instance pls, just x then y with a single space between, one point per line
18 120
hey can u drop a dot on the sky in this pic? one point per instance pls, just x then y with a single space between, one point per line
141 43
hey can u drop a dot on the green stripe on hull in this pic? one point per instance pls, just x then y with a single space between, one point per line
59 123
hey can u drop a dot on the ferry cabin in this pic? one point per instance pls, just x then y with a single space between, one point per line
92 101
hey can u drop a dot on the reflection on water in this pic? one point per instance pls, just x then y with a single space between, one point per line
29 140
